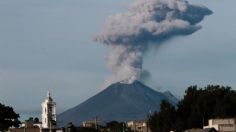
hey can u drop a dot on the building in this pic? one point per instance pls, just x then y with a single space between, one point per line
27 126
202 130
32 122
91 123
48 113
48 123
222 125
70 127
194 130
138 126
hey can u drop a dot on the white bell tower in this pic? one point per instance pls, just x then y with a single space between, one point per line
48 112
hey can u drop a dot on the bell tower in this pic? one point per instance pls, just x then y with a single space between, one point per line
48 112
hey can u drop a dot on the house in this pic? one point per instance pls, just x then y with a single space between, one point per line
27 126
70 127
202 130
222 125
91 123
138 125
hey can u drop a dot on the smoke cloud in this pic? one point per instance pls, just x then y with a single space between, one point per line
147 22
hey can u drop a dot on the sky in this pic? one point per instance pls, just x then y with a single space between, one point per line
48 45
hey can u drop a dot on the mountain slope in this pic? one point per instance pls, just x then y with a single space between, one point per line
171 97
121 102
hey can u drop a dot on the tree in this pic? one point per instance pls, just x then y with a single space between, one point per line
115 126
164 120
31 119
201 104
36 120
8 118
194 110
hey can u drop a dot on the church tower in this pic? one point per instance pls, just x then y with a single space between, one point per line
48 112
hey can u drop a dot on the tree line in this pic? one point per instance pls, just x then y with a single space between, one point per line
193 111
8 118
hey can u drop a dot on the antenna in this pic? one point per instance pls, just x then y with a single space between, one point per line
48 94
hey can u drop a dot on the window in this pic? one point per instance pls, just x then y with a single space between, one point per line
50 109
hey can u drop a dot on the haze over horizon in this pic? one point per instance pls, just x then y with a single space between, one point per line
48 44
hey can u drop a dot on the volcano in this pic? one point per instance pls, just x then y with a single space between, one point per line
119 101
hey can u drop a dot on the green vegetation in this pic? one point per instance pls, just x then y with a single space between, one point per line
162 121
8 118
115 126
194 110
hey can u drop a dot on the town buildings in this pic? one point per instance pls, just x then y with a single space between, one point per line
28 126
222 125
48 123
138 125
218 125
202 130
91 123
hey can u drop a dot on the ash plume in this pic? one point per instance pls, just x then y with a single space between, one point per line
147 22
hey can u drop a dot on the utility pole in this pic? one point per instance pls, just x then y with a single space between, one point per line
134 126
149 115
203 121
96 124
123 127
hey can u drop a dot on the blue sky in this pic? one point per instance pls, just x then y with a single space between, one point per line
48 44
